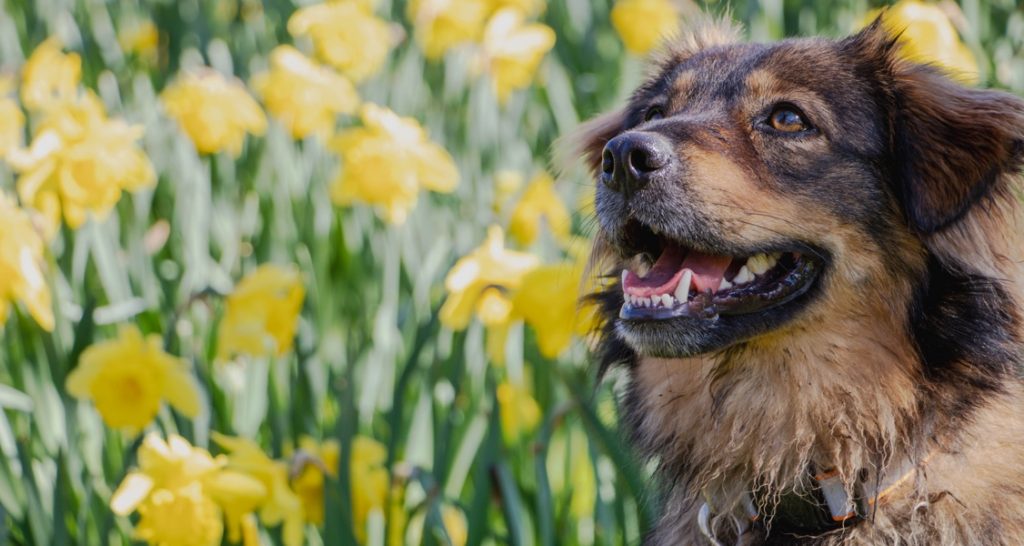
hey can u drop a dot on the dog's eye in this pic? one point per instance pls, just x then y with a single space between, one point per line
788 119
653 113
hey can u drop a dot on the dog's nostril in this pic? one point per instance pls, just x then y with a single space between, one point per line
607 162
644 161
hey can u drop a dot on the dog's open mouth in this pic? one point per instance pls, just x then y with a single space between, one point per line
685 282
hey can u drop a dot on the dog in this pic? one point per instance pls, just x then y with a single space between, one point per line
813 258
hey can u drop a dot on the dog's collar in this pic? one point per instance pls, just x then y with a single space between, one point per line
826 508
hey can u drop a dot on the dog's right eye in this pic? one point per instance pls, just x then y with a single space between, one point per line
653 113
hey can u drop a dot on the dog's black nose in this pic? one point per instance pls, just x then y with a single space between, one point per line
631 159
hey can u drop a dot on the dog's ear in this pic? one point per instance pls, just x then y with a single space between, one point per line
951 145
588 140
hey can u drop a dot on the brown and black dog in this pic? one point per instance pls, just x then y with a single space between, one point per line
817 250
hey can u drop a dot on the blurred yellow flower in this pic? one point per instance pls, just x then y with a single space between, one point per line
128 377
22 265
476 282
928 36
168 492
529 7
309 466
644 24
281 504
183 517
238 495
12 126
214 111
455 524
440 25
549 300
79 163
386 162
346 35
262 313
303 95
169 464
520 413
369 480
513 50
141 38
539 202
49 76
506 185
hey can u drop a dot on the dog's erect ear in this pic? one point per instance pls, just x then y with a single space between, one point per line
952 145
588 140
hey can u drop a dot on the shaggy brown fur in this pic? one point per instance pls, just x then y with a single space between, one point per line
908 347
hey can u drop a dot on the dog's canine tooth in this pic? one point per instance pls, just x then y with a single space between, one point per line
625 273
683 288
743 277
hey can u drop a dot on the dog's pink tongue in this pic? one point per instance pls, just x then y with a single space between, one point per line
661 279
708 269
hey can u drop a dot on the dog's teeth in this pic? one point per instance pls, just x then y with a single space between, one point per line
666 301
770 260
724 285
625 272
683 288
743 277
757 264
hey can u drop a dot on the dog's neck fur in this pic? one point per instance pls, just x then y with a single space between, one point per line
856 392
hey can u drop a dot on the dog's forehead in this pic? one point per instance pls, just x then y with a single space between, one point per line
728 72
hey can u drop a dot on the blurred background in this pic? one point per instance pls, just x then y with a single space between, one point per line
284 272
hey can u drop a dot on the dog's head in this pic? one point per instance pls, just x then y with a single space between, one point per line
747 190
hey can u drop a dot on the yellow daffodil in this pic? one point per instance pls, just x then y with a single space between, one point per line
22 265
369 479
169 464
79 163
281 505
539 202
303 95
529 7
346 35
520 413
440 25
167 489
183 517
141 38
238 495
644 24
512 50
928 36
477 281
262 313
506 185
310 465
128 377
214 111
549 300
387 161
49 76
455 524
12 126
